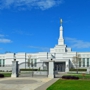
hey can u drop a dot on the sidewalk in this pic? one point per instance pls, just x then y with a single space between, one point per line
46 85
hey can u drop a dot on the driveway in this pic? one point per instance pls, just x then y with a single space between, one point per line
22 83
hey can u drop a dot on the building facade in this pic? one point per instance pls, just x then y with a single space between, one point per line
61 54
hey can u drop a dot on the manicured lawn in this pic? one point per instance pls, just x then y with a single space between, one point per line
70 85
7 74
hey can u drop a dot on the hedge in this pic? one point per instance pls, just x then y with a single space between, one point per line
70 77
28 69
31 70
1 76
78 70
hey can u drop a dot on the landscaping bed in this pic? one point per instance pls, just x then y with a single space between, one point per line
81 75
70 77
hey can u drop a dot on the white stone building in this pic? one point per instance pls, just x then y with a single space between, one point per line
61 54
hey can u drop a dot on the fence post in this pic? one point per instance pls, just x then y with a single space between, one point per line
14 69
51 69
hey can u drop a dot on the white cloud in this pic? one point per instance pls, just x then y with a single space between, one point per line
3 40
75 43
40 48
42 4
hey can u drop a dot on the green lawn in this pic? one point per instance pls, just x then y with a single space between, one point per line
6 74
70 85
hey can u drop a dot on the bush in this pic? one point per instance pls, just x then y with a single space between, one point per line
0 70
31 70
7 71
1 76
70 77
78 70
28 69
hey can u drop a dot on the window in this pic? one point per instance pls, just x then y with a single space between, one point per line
0 62
83 62
3 62
79 62
87 62
31 62
35 61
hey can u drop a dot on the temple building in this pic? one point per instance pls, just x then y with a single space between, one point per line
61 54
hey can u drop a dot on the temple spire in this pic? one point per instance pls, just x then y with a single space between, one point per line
61 21
61 40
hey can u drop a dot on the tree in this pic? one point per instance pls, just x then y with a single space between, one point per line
29 60
76 60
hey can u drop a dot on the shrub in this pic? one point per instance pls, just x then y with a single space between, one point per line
78 69
0 70
28 69
63 77
1 76
70 77
31 70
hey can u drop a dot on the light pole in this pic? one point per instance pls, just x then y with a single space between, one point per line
32 68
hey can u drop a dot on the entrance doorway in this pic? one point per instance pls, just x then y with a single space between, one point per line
59 66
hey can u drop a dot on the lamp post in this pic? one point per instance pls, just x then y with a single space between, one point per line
32 68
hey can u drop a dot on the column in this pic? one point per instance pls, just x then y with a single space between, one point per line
51 69
14 69
85 62
89 62
67 66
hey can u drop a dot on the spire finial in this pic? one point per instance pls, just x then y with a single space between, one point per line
61 21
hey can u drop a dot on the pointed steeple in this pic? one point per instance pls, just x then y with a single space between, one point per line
61 40
61 29
61 21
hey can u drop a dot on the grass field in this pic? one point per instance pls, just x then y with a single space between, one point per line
6 74
70 85
82 84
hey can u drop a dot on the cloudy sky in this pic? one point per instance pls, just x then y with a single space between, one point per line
33 25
